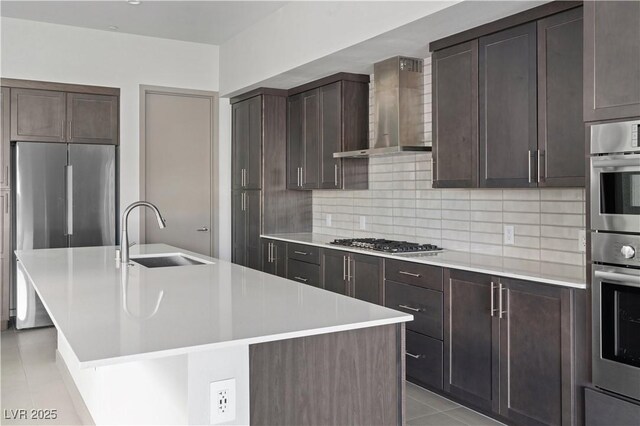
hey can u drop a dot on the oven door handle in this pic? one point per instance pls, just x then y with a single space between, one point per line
629 279
606 162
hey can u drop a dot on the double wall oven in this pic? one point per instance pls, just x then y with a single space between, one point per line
615 245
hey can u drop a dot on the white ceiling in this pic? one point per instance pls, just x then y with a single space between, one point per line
211 22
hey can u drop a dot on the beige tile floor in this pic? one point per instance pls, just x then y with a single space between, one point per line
31 380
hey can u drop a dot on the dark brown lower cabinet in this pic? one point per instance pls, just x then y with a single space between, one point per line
509 347
355 275
471 340
274 257
424 359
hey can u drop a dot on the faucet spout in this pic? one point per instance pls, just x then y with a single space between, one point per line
124 240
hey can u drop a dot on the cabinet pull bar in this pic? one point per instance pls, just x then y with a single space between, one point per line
344 268
302 253
411 274
410 308
335 174
529 161
541 166
70 133
413 355
274 252
493 310
348 268
304 280
500 311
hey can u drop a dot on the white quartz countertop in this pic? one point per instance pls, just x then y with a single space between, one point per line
110 314
543 272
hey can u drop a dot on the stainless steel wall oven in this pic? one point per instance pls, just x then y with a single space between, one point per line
615 225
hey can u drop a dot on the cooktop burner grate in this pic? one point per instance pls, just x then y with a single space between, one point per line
386 246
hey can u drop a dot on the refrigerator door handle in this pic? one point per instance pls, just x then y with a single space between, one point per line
69 197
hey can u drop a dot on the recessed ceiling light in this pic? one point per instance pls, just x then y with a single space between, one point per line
113 28
134 2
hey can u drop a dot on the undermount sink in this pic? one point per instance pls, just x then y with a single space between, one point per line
166 260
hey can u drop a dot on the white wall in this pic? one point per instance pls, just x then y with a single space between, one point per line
301 32
41 51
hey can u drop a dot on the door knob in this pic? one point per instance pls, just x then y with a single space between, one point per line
628 252
203 229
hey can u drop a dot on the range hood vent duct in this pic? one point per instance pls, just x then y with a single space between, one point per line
399 109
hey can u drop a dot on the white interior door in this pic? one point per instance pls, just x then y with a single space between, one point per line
178 169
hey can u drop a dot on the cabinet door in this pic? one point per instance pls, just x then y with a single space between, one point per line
535 355
5 137
365 277
471 339
240 143
253 165
5 224
279 254
330 135
508 80
302 272
561 156
38 115
455 116
334 271
295 152
611 60
311 139
238 228
92 118
253 200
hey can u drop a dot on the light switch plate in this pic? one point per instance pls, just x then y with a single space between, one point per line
363 223
222 396
509 235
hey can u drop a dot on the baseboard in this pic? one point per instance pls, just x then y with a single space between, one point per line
76 398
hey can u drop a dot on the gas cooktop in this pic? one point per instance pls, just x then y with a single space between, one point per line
386 246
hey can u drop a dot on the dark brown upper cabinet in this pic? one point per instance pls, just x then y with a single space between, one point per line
247 144
611 60
561 148
508 106
327 116
38 115
52 116
508 138
455 120
92 118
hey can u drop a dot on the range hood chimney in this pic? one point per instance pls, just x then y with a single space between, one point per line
399 109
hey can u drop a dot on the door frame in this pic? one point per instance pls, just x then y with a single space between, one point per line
214 178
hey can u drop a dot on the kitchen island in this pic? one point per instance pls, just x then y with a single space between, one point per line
147 345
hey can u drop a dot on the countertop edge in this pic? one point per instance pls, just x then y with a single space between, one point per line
441 263
248 341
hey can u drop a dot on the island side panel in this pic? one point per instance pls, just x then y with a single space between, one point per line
349 377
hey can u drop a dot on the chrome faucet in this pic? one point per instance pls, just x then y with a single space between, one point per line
124 240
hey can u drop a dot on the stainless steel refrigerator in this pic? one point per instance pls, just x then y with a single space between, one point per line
65 197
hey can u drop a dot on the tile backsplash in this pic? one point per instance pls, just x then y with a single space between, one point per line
401 204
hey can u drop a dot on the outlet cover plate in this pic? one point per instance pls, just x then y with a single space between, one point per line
222 396
363 223
582 241
328 219
509 235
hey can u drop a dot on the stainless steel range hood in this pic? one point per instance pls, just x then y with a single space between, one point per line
399 109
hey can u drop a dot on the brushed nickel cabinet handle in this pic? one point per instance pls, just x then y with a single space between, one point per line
493 310
301 253
304 280
268 252
500 311
529 161
344 268
413 355
335 174
349 269
410 308
70 133
411 274
542 166
203 229
274 252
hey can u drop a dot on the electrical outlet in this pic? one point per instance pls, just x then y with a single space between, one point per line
509 235
363 223
327 219
582 241
222 396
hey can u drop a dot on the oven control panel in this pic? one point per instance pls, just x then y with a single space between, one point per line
619 249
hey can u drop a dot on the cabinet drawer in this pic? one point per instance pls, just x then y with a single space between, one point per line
424 359
302 272
425 305
310 254
413 273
